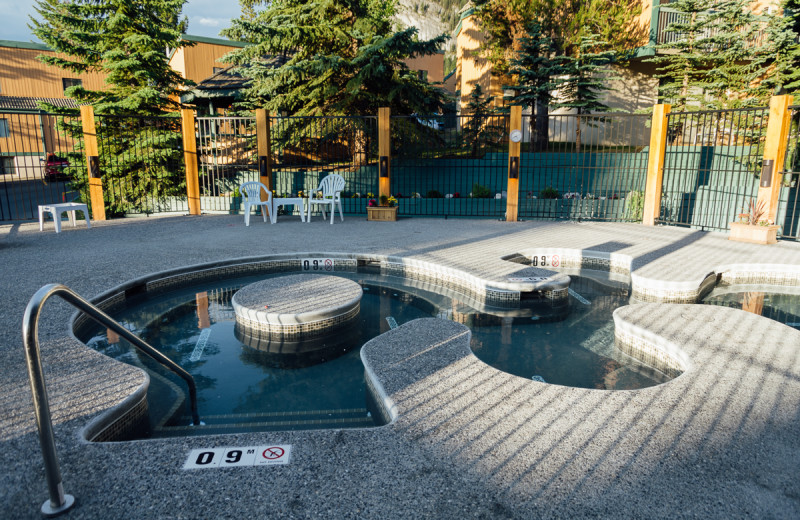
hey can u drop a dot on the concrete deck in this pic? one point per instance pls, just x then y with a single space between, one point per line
720 441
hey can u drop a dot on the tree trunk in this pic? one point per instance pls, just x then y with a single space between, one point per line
539 134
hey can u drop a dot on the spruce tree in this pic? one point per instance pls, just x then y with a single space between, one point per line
730 46
343 59
681 63
777 60
586 81
126 41
536 68
481 128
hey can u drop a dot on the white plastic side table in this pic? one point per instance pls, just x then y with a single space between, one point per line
297 201
57 209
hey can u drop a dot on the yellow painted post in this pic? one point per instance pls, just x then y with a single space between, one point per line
384 153
780 118
264 150
190 160
512 194
93 163
655 165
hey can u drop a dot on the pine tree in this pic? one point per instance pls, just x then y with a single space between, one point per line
777 61
343 59
125 40
535 68
480 128
682 63
729 47
565 21
586 81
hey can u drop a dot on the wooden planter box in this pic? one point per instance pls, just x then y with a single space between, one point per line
382 213
741 232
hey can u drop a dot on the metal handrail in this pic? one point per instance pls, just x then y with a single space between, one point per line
59 502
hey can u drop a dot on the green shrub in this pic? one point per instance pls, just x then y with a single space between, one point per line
434 194
634 205
481 192
549 193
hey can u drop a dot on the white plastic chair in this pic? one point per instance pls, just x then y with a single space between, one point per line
331 188
251 197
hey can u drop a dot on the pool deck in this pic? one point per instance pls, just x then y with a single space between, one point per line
720 441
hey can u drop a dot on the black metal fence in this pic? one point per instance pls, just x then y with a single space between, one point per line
584 167
226 152
450 166
711 166
142 164
790 202
39 160
306 149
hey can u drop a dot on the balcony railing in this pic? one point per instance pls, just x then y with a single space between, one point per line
664 17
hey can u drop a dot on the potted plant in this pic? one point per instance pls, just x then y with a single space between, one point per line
385 212
752 227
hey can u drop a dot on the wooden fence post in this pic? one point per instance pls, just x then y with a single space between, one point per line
780 118
264 150
93 163
384 153
512 194
655 165
190 160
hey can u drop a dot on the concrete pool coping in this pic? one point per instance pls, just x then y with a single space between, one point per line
468 440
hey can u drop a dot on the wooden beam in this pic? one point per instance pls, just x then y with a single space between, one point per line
655 165
780 118
93 158
190 160
512 193
384 151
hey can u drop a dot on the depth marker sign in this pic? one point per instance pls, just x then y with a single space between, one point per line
230 457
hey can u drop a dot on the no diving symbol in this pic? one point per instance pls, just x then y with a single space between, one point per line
275 452
555 261
328 264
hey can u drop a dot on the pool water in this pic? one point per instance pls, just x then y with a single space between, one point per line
242 388
572 347
781 304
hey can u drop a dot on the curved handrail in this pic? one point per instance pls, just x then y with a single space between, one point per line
59 502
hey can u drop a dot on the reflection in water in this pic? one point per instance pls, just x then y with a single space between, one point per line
778 303
246 379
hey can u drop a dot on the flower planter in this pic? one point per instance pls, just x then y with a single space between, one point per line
382 213
741 232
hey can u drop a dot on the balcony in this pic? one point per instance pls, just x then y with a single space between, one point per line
663 17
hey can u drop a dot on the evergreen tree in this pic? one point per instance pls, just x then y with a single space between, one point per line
585 82
536 68
343 59
777 61
481 129
681 66
125 40
729 47
565 21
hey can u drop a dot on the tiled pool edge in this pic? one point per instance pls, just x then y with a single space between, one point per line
662 356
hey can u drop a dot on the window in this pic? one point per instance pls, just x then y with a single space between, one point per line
423 75
3 127
70 82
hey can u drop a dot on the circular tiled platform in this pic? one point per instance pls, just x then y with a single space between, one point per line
298 305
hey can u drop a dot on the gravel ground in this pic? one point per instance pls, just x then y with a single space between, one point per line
467 441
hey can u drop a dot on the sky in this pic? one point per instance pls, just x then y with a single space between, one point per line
206 18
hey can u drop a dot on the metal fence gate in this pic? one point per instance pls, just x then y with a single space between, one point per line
39 159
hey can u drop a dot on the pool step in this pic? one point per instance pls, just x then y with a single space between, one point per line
306 420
